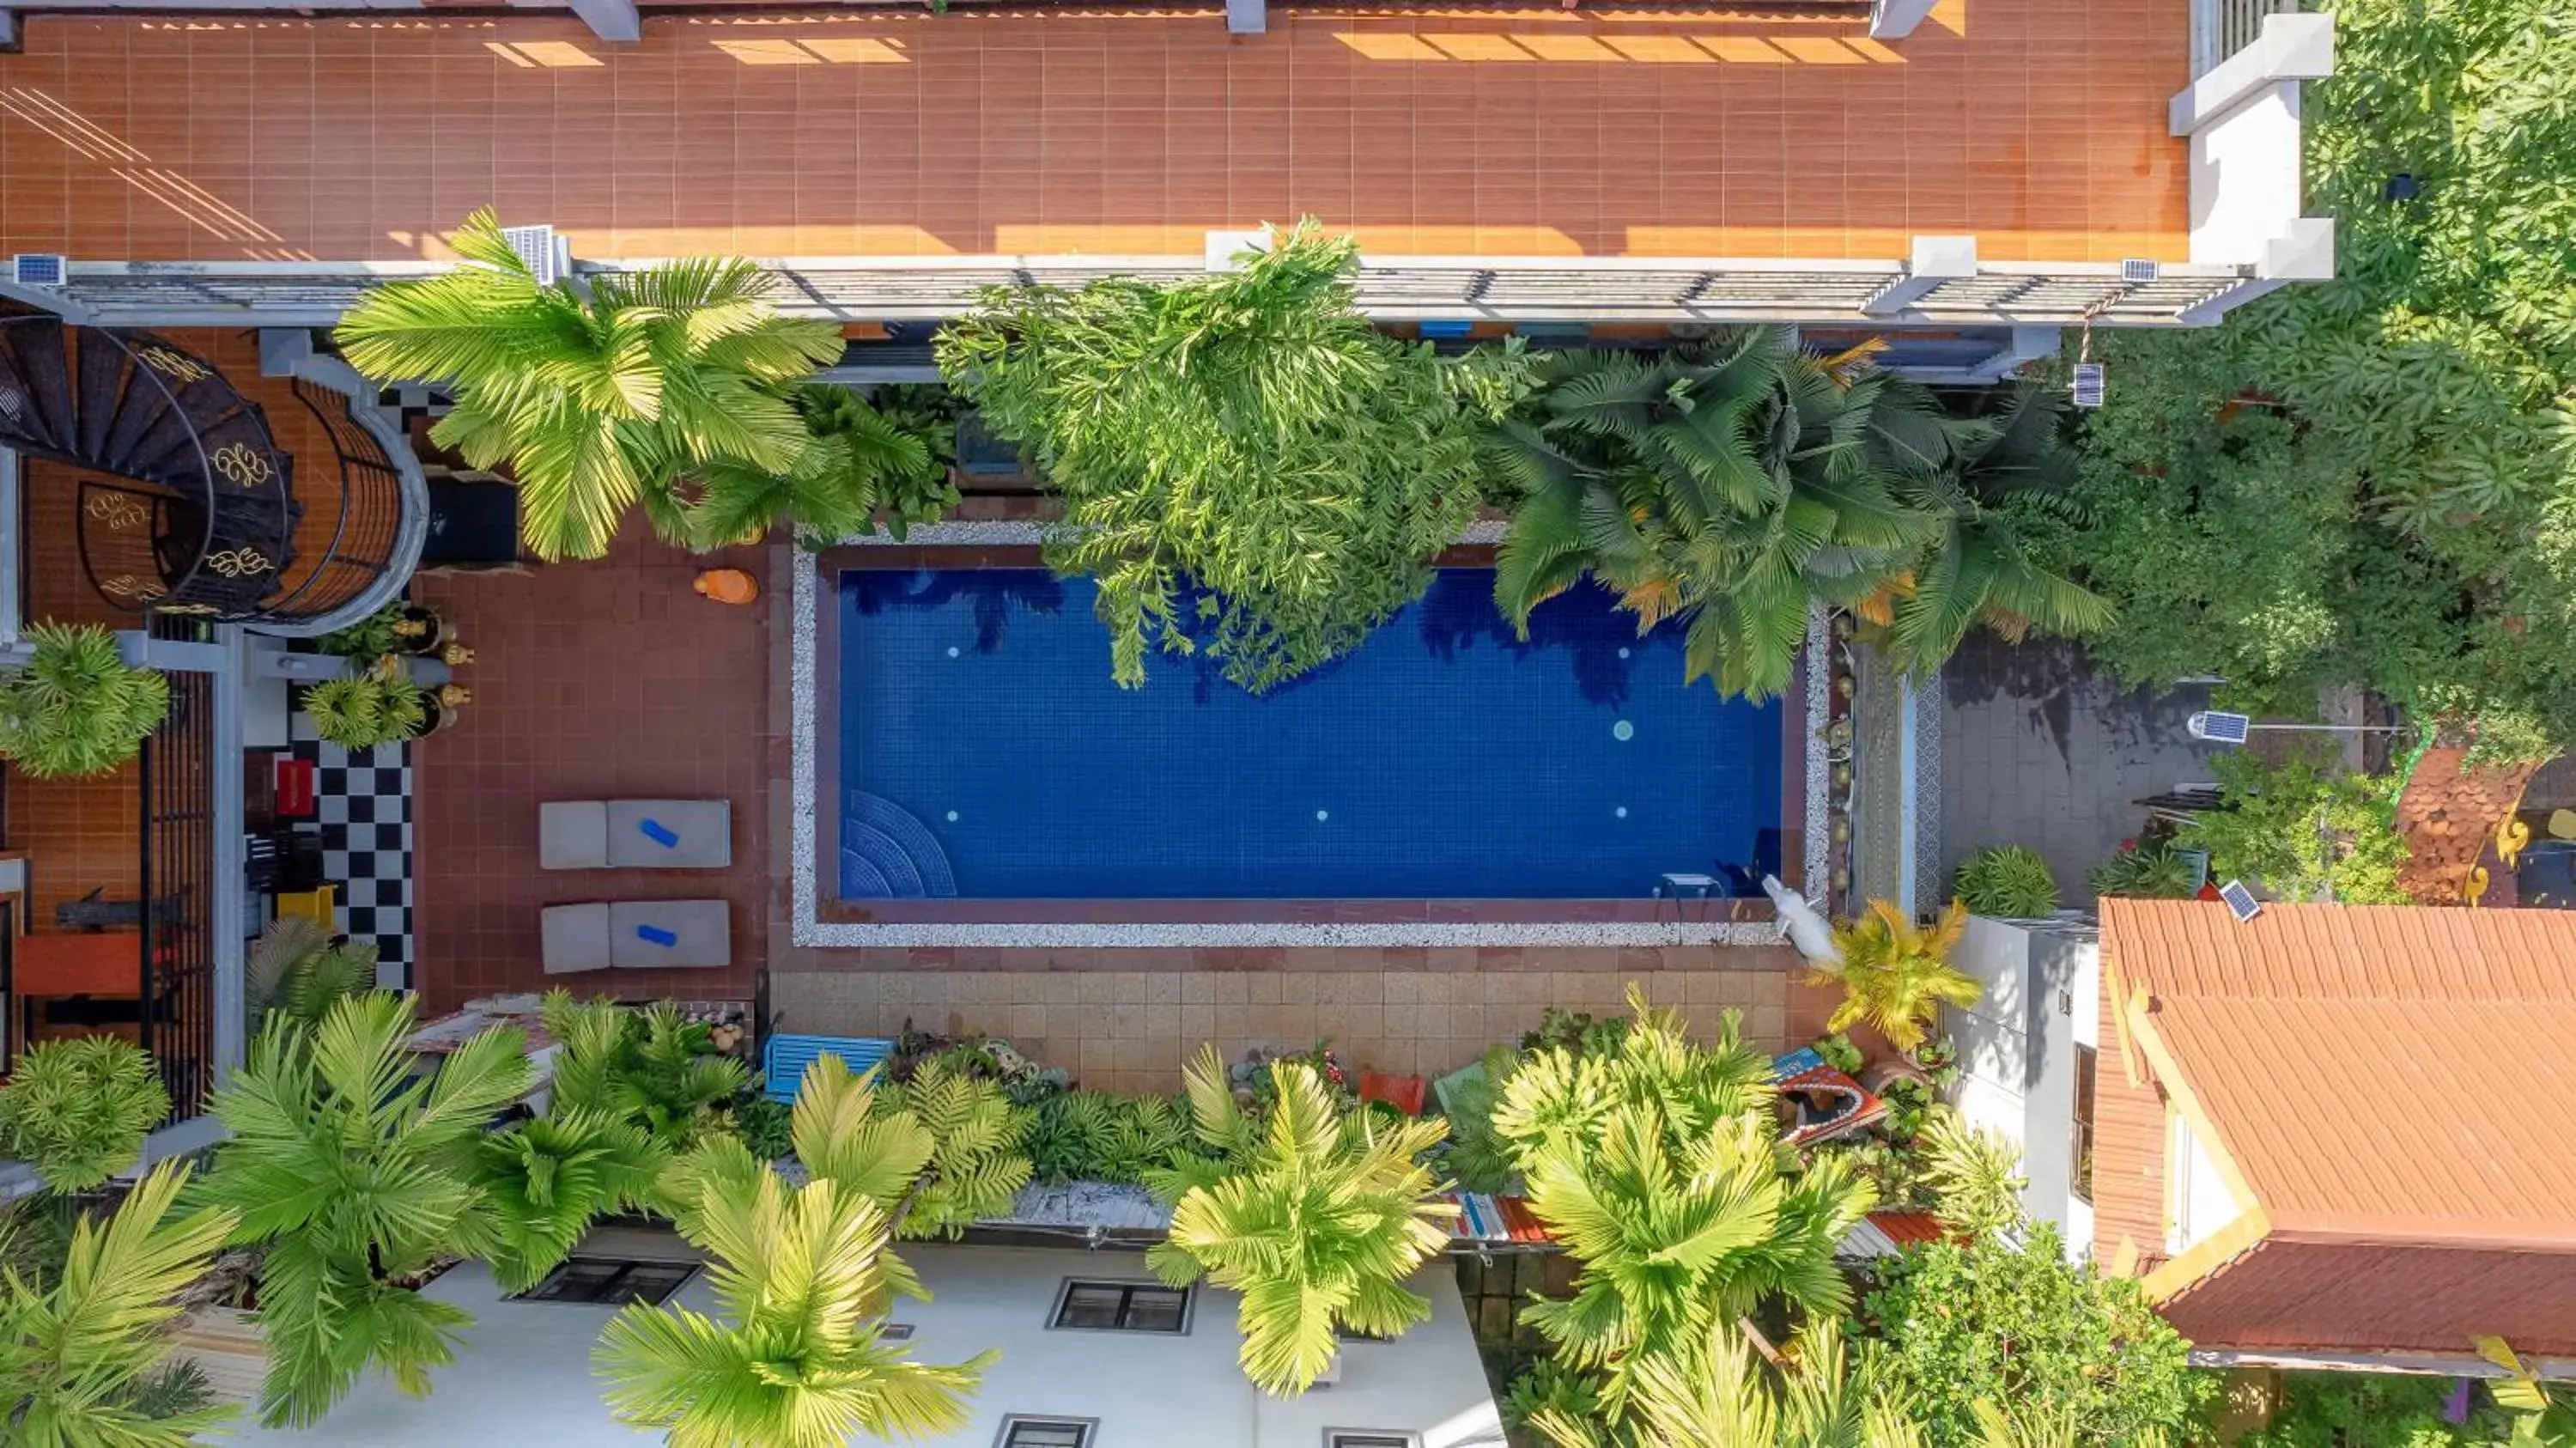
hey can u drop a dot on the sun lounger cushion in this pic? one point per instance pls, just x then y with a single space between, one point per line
670 834
576 938
572 834
663 934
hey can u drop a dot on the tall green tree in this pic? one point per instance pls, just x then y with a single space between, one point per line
859 466
599 393
803 1276
1314 1213
77 1352
357 1177
1723 485
1658 1164
1249 468
2372 481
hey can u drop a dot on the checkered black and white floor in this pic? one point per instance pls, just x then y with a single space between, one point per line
362 801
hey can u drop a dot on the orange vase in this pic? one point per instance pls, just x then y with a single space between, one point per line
727 585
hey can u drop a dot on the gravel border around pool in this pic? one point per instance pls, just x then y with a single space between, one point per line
808 929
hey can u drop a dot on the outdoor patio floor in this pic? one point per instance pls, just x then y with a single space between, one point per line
2038 125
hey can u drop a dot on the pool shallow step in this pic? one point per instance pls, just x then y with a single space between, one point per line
887 854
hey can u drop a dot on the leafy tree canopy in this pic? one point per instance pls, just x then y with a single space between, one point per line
2304 831
1247 465
1956 1324
2373 481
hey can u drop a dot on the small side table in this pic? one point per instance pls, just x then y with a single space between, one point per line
1673 885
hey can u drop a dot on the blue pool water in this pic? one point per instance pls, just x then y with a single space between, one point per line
985 752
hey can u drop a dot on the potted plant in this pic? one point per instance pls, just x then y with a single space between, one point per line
379 706
77 708
397 628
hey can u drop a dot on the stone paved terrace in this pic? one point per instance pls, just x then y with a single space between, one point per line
2037 125
610 678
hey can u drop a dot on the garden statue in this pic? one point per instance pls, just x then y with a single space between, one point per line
1801 924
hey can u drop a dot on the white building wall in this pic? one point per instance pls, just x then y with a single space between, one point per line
523 1374
2017 1045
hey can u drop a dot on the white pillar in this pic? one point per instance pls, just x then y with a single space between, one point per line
1937 259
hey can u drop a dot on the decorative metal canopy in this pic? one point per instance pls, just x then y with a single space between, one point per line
186 503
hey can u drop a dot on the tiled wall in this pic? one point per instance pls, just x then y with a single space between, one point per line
1132 1030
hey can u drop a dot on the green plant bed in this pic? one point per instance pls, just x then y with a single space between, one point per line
380 706
2007 883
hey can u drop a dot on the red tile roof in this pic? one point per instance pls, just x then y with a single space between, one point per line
2393 1083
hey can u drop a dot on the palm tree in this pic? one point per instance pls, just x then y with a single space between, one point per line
294 968
357 1178
1727 484
803 1276
653 1067
550 1177
77 1353
796 1359
1716 1394
1995 451
1657 1162
598 393
77 708
1896 974
1316 1215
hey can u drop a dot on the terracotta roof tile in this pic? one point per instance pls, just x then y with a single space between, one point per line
2448 814
2385 1069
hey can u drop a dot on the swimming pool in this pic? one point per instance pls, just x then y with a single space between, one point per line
985 753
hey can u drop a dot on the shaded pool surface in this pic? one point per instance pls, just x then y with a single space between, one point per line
985 753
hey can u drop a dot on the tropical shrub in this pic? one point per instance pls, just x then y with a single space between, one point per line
1316 1213
2366 481
355 1176
76 708
549 1178
370 638
1895 974
2008 882
1954 1324
1250 469
1729 484
652 1067
1659 1166
379 706
295 970
1477 1156
1712 1392
2394 1410
1576 1032
858 465
597 396
1104 1137
77 1110
763 1126
2304 830
84 1357
2154 870
1974 1175
975 1167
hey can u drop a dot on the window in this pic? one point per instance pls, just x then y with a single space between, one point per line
895 1332
2088 1064
1122 1307
1019 1432
610 1281
1368 1438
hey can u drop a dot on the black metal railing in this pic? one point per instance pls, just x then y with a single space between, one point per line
178 945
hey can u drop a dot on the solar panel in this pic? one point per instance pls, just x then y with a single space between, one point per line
2240 901
2217 727
536 245
2089 384
2139 270
38 269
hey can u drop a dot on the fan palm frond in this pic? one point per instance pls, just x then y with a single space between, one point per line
1895 974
